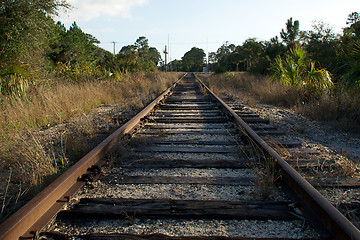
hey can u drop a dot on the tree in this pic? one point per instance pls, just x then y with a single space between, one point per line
222 56
193 60
154 55
79 48
142 46
353 21
291 34
348 53
321 44
176 65
224 50
129 49
138 56
212 58
351 77
56 44
24 30
274 48
253 53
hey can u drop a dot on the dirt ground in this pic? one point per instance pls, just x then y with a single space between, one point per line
320 135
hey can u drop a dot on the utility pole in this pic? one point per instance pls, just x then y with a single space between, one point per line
207 59
114 45
170 67
165 52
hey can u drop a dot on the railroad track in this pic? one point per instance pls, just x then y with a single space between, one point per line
187 167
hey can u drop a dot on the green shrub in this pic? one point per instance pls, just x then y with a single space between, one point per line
14 81
296 69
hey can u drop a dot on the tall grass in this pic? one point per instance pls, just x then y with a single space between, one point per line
57 102
337 107
251 88
63 100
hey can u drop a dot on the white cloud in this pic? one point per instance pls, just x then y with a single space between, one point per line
89 9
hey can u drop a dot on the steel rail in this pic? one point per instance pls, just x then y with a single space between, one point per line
29 219
320 212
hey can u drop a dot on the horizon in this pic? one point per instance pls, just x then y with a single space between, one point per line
207 25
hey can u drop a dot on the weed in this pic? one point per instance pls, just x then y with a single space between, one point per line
12 196
347 167
267 176
63 161
33 162
77 140
14 85
5 194
131 217
280 149
265 169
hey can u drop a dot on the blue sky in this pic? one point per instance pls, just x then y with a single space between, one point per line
206 24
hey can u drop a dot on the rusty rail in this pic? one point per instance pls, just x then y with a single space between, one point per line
320 212
33 216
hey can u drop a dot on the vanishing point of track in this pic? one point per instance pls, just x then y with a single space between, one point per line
187 162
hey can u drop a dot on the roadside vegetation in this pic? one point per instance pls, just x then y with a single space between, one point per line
341 109
315 72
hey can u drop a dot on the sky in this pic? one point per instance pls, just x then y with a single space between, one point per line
205 24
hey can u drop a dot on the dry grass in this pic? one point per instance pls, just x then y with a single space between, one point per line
267 177
64 100
33 161
339 108
342 110
76 139
265 168
48 105
251 88
344 166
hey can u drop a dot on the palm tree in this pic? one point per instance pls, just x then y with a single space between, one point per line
296 69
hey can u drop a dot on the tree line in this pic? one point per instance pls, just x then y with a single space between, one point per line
35 48
33 45
318 55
